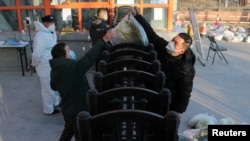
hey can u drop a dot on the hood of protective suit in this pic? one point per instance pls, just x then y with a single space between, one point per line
40 26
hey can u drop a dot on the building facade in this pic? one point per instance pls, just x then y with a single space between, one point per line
17 15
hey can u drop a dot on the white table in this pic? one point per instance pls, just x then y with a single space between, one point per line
21 49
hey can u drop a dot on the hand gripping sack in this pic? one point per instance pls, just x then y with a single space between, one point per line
129 30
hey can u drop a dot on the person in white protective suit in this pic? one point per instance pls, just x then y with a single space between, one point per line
44 40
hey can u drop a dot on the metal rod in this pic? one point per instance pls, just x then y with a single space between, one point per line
31 46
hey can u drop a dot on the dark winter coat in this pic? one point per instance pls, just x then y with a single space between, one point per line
98 29
179 70
69 79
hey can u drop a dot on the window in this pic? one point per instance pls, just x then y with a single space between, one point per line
156 17
86 18
57 2
126 1
66 18
57 13
7 2
155 1
8 20
34 15
31 2
88 0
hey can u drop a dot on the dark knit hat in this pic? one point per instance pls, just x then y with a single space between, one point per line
48 18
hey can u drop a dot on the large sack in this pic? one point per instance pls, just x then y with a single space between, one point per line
129 30
120 12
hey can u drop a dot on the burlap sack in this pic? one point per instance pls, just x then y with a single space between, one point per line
129 30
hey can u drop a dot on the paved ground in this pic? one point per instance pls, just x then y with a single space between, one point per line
221 90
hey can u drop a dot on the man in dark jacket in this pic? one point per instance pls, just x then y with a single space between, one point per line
177 61
68 78
99 25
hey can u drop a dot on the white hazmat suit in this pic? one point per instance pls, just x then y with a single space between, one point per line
44 40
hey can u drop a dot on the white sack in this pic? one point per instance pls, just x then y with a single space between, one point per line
129 30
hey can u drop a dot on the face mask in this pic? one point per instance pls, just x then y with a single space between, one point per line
105 18
52 28
170 48
72 54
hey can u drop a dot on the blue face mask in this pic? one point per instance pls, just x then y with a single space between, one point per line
72 54
171 48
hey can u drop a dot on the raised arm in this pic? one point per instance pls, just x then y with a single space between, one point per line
86 62
151 34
